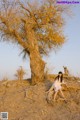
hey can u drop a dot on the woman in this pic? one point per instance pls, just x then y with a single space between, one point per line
56 87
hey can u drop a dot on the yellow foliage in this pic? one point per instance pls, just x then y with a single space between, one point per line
45 21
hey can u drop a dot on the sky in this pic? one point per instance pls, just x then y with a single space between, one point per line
68 55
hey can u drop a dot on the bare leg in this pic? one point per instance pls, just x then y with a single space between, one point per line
55 95
62 94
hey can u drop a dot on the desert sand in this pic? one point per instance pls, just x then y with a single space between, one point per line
23 101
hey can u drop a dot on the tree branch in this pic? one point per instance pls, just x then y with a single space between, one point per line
14 32
25 8
23 44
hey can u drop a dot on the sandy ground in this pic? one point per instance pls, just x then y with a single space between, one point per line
25 102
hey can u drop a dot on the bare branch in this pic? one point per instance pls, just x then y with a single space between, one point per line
25 8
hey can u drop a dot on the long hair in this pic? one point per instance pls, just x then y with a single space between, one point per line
60 77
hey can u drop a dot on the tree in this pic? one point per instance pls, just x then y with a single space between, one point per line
36 28
20 73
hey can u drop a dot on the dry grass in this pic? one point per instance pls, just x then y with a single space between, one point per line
26 102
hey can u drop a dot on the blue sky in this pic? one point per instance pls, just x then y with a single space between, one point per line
68 55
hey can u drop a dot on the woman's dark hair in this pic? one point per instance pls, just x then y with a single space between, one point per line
61 77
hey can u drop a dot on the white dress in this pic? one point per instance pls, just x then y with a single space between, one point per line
56 85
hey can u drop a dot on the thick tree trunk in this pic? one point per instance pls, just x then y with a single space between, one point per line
37 67
36 63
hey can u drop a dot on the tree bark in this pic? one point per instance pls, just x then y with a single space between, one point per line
37 67
36 63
